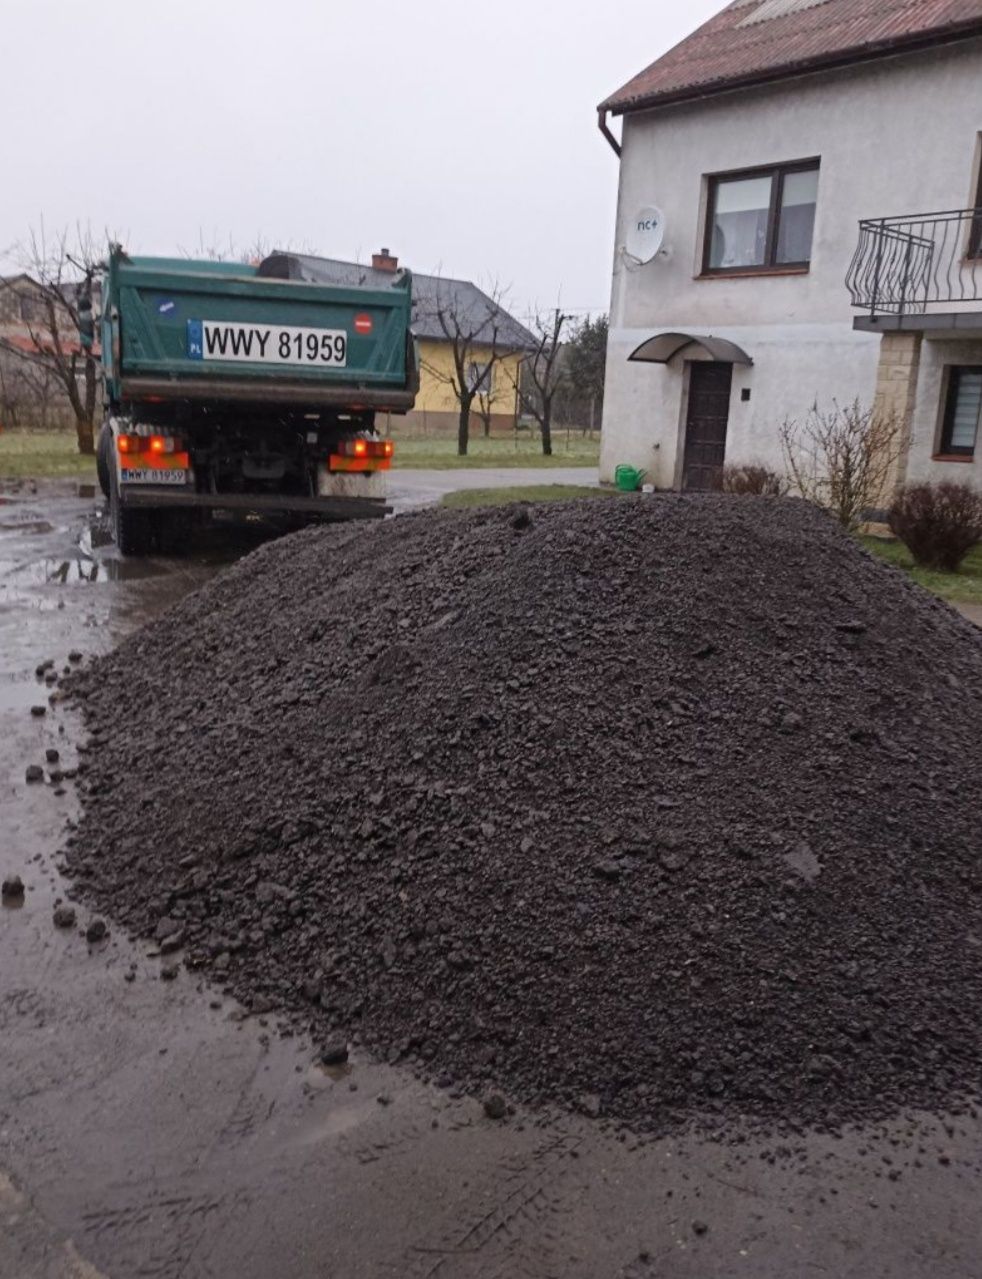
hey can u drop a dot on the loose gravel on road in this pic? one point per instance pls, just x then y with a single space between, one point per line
659 809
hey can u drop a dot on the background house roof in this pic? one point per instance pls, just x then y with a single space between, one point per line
753 41
475 311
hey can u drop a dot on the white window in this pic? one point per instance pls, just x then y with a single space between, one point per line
480 378
762 220
963 411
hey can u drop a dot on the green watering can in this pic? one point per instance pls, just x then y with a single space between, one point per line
628 478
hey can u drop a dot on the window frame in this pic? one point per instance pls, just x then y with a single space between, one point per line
947 449
974 251
777 173
30 309
479 367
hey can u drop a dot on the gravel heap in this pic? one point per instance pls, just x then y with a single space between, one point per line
655 808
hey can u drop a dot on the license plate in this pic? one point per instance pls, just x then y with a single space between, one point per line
154 475
267 344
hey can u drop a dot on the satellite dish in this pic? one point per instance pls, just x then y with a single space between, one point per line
645 233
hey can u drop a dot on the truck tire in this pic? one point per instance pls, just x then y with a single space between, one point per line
130 529
102 458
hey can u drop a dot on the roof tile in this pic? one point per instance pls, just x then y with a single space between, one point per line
476 312
752 41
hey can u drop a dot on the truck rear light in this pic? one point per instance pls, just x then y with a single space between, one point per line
365 448
163 444
155 445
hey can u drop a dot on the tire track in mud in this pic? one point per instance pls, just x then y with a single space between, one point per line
365 1150
509 1233
23 1003
155 1237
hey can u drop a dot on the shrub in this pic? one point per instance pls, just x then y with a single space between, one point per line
751 479
843 459
938 523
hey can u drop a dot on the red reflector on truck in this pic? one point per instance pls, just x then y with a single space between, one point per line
338 463
363 324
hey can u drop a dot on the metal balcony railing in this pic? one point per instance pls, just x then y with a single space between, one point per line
911 265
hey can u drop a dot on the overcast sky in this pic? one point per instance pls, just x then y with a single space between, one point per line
461 136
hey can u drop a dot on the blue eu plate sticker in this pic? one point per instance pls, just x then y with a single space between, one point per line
196 349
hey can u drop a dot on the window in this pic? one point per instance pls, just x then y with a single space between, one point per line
31 310
480 378
963 410
761 220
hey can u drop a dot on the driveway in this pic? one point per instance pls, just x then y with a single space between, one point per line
408 489
151 1128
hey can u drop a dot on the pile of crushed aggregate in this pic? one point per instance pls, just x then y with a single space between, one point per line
656 808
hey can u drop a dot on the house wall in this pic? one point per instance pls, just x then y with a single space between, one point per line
936 356
894 137
437 408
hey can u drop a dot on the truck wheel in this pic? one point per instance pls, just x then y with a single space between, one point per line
102 458
130 529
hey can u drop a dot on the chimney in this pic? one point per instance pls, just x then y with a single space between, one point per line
384 261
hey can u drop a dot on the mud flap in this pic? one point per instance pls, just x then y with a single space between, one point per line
363 484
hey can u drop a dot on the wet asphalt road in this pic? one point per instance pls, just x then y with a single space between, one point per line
149 1129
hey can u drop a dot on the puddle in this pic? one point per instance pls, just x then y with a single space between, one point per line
66 572
28 527
317 1073
95 535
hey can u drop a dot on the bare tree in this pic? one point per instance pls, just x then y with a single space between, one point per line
843 460
542 373
474 334
28 395
252 254
487 398
55 310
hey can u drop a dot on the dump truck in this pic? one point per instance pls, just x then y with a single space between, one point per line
245 390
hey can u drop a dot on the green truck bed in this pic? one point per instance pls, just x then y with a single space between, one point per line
212 331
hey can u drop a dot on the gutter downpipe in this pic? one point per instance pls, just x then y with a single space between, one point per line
604 128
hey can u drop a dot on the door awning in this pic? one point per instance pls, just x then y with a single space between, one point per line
664 346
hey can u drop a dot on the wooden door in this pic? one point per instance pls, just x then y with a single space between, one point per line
705 424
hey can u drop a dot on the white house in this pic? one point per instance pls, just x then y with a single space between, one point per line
762 143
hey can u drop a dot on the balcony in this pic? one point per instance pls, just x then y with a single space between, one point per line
919 273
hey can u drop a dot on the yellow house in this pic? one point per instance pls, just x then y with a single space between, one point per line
453 320
459 328
437 406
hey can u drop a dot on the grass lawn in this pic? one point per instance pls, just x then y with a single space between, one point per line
440 453
523 493
963 587
41 455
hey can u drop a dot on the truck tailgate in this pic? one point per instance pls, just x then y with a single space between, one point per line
226 333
